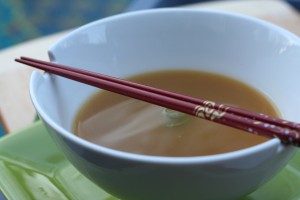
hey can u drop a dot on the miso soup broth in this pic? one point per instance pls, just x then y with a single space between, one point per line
130 125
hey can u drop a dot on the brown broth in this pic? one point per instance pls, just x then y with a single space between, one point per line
130 125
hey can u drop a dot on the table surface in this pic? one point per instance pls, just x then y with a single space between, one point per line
15 105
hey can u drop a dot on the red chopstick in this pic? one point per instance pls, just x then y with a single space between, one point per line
288 132
229 109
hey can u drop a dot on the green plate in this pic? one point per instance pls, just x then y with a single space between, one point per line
31 167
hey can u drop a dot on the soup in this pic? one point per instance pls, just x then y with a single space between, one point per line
131 125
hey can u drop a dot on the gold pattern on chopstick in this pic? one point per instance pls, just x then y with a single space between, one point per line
208 110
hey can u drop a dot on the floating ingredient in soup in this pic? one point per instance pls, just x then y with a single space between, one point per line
174 118
130 125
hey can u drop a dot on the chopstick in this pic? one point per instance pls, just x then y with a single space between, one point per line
231 109
255 123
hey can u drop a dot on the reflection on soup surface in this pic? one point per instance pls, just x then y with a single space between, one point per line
130 125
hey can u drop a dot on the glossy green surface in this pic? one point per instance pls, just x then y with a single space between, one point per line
32 168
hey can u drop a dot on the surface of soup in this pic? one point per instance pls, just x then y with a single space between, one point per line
130 125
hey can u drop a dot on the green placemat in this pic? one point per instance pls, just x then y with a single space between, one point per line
31 167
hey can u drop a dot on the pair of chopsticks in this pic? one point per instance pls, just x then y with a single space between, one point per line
255 123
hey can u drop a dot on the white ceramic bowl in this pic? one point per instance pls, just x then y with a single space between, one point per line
258 53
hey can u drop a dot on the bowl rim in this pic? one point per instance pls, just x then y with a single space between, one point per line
169 10
268 145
